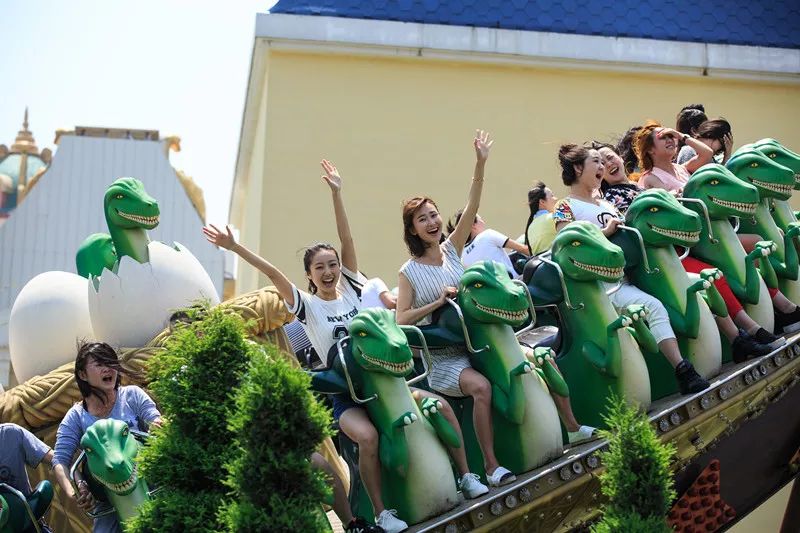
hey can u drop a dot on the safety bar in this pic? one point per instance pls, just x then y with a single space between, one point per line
24 501
561 279
72 476
426 355
617 286
531 308
464 329
347 374
736 223
640 240
704 209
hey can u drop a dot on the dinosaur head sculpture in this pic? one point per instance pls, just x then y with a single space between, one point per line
110 452
662 220
781 155
378 345
486 294
128 206
770 178
584 253
724 194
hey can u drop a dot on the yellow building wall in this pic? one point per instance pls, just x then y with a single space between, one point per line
400 127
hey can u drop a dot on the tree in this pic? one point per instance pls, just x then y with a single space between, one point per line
277 425
638 479
193 382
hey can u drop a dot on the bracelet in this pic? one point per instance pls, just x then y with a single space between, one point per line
477 180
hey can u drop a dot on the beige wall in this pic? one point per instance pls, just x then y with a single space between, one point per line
402 127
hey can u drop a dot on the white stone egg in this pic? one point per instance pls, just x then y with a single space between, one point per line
131 307
48 319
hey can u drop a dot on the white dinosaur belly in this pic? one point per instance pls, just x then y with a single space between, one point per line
131 307
635 379
762 312
542 428
705 352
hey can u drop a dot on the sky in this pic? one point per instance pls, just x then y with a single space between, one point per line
176 66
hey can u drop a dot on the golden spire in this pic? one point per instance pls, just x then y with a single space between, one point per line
25 143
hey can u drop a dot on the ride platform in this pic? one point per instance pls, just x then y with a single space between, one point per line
747 421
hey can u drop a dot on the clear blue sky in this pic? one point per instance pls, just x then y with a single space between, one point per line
178 66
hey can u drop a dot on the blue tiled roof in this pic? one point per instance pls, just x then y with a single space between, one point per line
746 22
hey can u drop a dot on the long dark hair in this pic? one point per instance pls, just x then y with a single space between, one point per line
569 157
689 118
308 257
104 355
535 197
453 222
626 151
715 129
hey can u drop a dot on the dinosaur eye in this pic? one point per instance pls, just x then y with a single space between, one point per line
773 155
125 431
576 243
478 285
88 450
753 165
362 333
714 182
653 209
119 196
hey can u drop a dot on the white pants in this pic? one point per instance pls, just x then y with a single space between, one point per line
657 316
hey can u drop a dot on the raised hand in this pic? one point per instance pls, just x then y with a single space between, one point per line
482 145
331 176
216 237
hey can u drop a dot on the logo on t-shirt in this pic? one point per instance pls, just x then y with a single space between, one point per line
346 317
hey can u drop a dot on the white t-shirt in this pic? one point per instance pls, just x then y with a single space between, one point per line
489 244
326 321
571 209
371 294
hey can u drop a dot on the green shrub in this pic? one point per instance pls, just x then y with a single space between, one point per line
278 424
637 481
193 381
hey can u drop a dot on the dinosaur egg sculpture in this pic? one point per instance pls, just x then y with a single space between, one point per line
48 318
130 307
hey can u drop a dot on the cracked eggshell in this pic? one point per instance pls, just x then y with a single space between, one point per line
131 307
48 319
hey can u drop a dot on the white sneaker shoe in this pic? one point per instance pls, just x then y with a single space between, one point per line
584 433
500 476
471 486
389 522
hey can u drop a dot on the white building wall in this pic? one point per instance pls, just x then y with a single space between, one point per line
44 232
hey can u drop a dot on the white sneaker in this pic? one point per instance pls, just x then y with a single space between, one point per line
471 486
389 522
500 476
584 433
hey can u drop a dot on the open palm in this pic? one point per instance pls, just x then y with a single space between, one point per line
483 144
331 176
219 238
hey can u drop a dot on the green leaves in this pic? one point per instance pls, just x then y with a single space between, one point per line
637 480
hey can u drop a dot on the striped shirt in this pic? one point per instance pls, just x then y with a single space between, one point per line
327 321
429 280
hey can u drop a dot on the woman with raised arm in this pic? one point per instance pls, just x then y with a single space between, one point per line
333 300
582 170
656 148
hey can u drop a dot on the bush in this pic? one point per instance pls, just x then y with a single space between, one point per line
637 480
193 382
278 424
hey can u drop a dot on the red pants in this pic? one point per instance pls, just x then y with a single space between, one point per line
694 266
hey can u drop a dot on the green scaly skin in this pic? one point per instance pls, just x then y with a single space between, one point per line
130 212
725 196
95 254
664 223
773 182
600 353
527 431
111 460
417 479
781 211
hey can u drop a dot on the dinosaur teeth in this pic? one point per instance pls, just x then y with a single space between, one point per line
685 235
783 189
404 366
603 271
502 313
123 486
745 207
137 218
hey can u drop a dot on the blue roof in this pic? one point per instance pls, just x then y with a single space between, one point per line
745 22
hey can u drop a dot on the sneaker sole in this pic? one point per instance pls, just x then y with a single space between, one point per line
504 481
792 328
